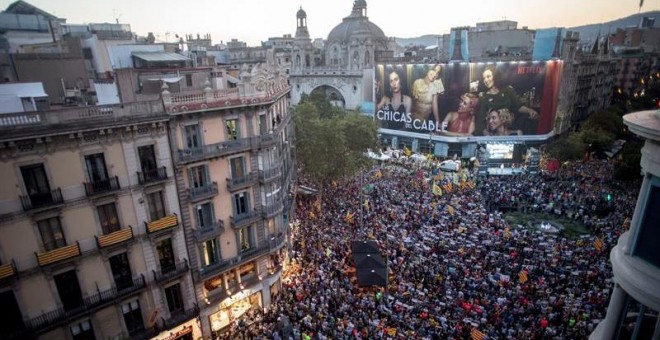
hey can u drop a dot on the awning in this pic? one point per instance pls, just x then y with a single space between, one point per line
165 79
160 56
232 79
23 90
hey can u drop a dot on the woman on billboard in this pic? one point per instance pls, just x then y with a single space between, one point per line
396 101
495 98
461 122
425 91
499 122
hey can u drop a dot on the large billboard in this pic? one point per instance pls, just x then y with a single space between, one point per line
468 99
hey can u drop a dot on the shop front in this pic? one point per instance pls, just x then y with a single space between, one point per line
186 331
236 315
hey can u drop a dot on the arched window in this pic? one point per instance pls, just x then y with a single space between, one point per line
307 61
356 59
367 59
298 60
335 56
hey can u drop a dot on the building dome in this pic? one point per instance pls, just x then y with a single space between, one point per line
301 13
352 26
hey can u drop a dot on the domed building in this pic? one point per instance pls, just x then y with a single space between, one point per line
343 68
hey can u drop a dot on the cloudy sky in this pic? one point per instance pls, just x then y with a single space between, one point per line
256 20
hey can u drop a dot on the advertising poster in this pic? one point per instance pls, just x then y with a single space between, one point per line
468 99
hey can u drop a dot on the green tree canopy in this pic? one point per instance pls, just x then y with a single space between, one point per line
329 141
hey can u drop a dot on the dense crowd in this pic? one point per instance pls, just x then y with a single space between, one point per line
454 264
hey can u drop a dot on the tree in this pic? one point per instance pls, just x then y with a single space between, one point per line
629 167
568 148
330 144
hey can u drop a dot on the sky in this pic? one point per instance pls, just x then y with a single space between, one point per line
253 21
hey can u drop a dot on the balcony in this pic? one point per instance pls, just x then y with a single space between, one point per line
268 211
215 268
214 150
164 223
241 182
113 238
166 274
242 220
152 176
224 98
57 255
207 232
268 140
102 187
7 271
268 175
42 200
50 320
207 191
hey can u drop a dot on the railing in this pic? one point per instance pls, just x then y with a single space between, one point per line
179 318
165 275
239 221
78 114
100 187
151 176
214 150
274 243
269 174
271 210
207 232
113 238
7 270
268 140
207 191
242 182
162 223
36 201
57 255
90 304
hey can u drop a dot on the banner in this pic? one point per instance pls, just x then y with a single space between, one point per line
468 99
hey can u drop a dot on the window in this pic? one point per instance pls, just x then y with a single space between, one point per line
174 299
245 238
198 176
241 203
12 320
263 125
156 205
232 129
237 166
132 317
82 331
96 170
210 252
108 218
247 271
121 271
34 177
205 215
147 157
166 255
51 233
189 82
192 136
69 290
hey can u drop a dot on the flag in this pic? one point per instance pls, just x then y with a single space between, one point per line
349 217
522 276
407 151
436 190
334 184
366 204
450 210
507 232
598 244
470 184
378 174
439 176
317 204
448 187
311 215
391 331
476 334
328 252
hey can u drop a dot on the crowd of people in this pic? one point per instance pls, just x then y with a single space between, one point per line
457 270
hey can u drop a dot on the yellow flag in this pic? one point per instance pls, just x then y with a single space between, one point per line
436 190
598 244
366 204
451 210
349 217
522 276
407 151
507 232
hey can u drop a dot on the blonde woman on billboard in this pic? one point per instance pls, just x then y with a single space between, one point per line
396 101
425 91
461 122
499 122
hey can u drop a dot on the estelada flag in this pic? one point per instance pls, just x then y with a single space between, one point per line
477 334
598 244
522 276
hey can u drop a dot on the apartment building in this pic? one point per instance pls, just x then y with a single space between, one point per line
234 164
91 239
